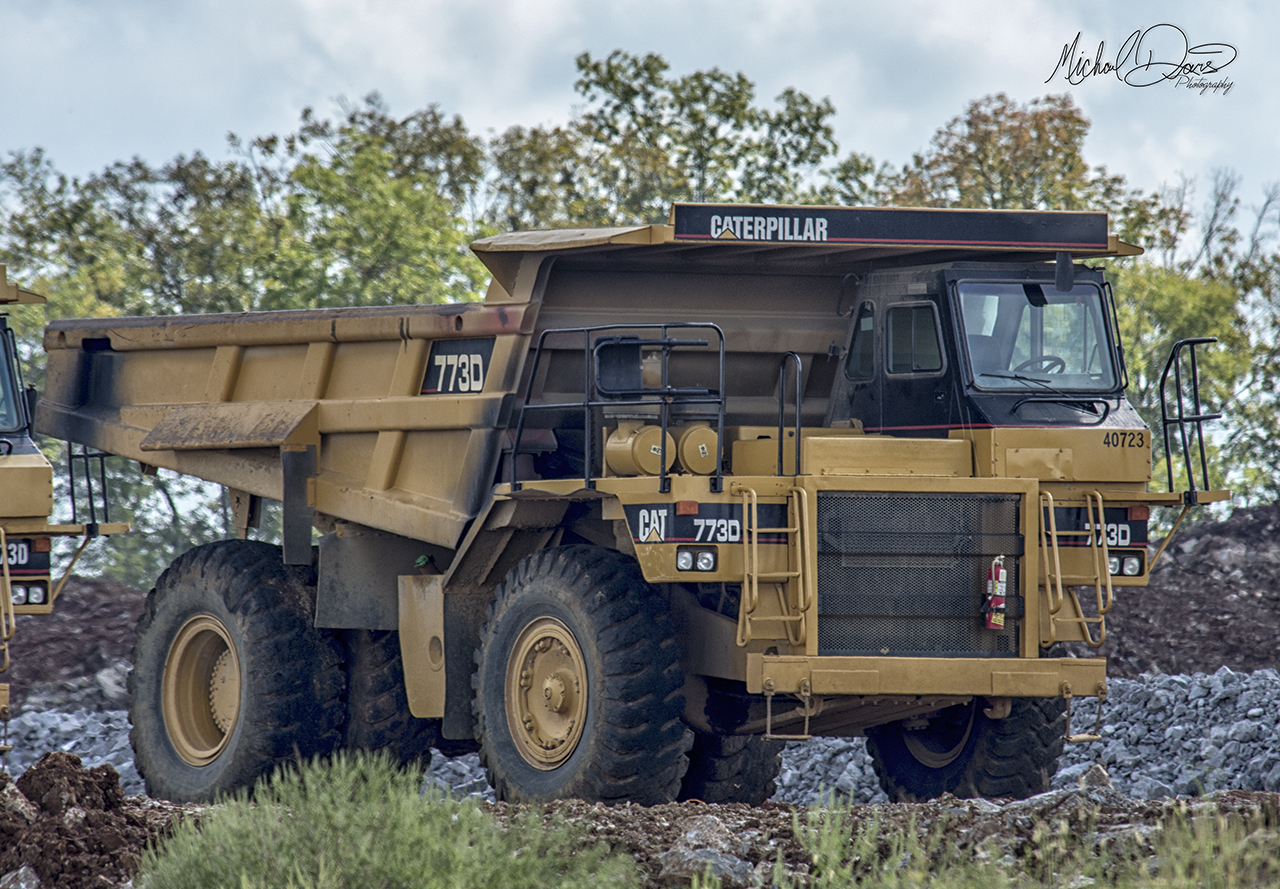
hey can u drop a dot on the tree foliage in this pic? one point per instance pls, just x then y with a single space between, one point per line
1004 156
647 140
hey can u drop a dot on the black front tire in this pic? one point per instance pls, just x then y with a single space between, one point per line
230 603
967 754
579 628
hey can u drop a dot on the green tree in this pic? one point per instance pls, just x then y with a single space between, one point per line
1159 306
647 140
1002 155
369 210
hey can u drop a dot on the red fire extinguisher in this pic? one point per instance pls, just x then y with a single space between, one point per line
997 586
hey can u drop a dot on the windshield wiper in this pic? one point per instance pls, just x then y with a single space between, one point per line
1017 376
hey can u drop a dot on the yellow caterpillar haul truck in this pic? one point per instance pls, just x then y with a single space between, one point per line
26 498
669 495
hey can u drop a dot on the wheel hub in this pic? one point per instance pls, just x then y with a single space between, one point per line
546 699
201 690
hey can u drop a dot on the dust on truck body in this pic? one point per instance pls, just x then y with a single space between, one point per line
26 498
669 494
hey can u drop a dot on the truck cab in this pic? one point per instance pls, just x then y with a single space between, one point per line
981 345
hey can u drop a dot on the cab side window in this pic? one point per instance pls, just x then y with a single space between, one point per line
861 362
913 340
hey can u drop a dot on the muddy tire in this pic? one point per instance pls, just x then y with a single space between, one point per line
967 754
732 769
577 686
378 717
230 677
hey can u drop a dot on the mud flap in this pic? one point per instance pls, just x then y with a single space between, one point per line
299 467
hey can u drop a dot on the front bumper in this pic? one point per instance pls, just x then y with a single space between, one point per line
993 677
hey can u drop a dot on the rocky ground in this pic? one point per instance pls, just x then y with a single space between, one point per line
1180 727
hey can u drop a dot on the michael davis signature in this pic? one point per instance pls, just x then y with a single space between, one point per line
1158 54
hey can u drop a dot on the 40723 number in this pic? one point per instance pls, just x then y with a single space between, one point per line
1124 439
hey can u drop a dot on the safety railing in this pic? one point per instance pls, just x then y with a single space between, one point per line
793 359
93 508
1179 417
663 398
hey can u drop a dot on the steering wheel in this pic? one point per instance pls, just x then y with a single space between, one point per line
1045 363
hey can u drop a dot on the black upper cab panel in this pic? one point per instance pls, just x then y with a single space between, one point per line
971 345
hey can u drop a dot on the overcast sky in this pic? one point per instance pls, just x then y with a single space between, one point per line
93 81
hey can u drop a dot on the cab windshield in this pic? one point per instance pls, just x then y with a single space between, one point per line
1033 337
10 414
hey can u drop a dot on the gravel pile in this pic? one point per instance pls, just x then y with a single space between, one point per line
1163 736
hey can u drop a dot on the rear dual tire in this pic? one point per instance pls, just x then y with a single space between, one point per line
231 678
964 752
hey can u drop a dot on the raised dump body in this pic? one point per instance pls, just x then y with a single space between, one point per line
668 495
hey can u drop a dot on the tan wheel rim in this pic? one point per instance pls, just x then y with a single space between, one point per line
546 693
201 690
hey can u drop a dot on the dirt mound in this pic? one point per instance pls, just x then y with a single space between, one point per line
73 827
1214 601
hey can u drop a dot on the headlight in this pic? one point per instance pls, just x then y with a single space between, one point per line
35 595
18 594
1113 564
1132 566
693 558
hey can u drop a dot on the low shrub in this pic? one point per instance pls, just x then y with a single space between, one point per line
356 822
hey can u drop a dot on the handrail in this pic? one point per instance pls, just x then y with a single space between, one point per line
663 398
84 457
1053 572
782 404
1182 420
8 625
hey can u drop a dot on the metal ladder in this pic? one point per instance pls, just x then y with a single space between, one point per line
1097 535
790 585
7 627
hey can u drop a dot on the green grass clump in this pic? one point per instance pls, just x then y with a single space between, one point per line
356 822
847 852
1213 849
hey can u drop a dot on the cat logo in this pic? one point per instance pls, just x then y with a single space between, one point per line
652 526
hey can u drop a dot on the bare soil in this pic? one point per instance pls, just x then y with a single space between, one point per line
1214 600
74 828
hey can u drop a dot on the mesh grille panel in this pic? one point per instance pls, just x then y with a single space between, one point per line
905 574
